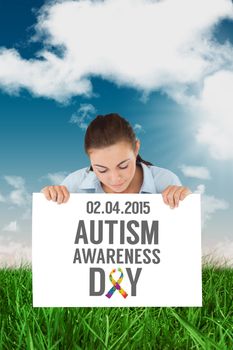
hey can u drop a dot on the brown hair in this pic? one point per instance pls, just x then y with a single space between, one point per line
106 130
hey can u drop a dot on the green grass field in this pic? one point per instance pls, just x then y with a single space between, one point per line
25 327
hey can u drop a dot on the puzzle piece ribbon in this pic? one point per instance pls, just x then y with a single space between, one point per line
116 284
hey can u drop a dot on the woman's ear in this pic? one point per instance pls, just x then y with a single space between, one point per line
137 147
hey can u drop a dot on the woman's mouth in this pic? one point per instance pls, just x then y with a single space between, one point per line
116 186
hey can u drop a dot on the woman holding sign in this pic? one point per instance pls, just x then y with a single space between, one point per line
116 166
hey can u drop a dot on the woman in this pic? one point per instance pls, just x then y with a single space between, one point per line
116 166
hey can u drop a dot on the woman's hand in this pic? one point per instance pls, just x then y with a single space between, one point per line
173 194
58 194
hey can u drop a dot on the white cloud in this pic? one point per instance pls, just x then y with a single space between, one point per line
216 110
209 204
219 253
11 227
200 189
198 172
48 76
138 129
56 178
166 46
2 198
15 181
19 196
82 115
13 253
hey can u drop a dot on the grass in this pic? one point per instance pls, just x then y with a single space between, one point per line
25 327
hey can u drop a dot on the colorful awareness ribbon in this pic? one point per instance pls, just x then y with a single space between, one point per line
116 284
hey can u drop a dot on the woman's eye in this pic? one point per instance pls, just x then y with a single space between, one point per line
124 167
102 172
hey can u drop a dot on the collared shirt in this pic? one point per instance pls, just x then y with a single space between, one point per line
155 180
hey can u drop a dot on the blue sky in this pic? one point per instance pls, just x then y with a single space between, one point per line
171 78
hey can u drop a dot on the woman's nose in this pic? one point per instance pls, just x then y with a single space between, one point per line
115 178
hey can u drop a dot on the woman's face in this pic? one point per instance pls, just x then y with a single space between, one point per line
115 165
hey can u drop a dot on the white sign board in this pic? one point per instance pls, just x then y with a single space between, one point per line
116 250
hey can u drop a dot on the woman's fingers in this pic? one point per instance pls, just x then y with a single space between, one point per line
169 195
53 193
177 195
66 194
58 194
186 191
173 194
46 192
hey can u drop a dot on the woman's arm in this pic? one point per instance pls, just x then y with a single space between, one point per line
58 194
173 194
70 184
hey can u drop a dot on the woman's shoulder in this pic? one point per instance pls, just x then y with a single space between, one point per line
163 177
75 179
160 171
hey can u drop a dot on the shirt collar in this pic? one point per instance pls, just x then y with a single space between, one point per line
148 185
92 183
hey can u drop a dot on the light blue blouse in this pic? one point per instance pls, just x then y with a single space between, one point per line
155 180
